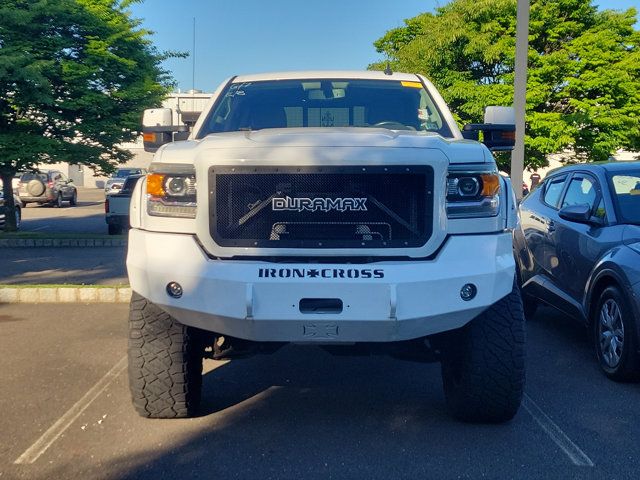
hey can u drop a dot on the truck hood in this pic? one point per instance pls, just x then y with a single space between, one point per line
237 144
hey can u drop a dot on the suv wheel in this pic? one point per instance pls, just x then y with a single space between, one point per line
165 362
58 200
18 214
74 199
615 337
483 369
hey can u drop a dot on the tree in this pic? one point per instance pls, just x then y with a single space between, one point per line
75 76
583 87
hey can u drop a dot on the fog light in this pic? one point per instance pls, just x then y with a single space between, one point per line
468 291
174 289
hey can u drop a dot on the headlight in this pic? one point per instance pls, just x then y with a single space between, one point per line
473 194
171 191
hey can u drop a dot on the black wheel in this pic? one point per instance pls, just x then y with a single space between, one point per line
483 369
18 214
58 200
165 362
616 337
114 229
74 199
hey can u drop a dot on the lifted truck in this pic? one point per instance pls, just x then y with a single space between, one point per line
339 209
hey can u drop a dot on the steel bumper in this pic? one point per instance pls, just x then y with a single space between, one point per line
381 302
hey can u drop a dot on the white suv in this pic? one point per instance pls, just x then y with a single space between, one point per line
331 209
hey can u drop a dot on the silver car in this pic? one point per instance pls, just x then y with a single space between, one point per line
114 184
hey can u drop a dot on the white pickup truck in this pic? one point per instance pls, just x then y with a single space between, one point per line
334 209
117 205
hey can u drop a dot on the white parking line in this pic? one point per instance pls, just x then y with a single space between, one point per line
41 445
575 454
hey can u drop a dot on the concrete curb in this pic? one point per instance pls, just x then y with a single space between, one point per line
71 294
62 242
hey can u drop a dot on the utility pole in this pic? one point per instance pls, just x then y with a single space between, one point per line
520 94
193 57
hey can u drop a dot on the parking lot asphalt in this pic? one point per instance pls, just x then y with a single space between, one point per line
64 265
299 413
86 217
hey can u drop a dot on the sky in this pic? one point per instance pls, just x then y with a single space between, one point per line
253 36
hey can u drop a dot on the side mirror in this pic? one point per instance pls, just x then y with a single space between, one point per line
576 213
158 128
499 129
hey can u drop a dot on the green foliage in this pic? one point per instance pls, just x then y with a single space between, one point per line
583 86
75 76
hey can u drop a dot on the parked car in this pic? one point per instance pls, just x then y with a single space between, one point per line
578 250
18 211
51 187
116 206
114 184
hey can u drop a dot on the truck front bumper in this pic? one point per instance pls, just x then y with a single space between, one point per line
381 302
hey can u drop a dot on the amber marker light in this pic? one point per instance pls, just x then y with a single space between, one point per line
149 137
490 184
155 184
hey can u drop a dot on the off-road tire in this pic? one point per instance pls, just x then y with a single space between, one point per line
628 368
483 369
165 362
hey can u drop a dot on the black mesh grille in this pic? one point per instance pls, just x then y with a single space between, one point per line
321 207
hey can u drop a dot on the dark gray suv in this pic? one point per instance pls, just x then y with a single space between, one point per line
578 250
50 187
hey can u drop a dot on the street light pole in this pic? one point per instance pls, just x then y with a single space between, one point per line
520 94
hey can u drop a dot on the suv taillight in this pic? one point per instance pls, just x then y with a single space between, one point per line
50 184
106 206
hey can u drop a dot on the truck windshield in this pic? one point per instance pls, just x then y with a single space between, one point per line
392 104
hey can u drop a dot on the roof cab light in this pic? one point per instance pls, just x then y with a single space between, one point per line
171 191
473 194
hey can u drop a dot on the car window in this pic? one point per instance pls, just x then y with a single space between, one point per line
601 211
28 176
581 191
125 172
130 183
553 190
626 195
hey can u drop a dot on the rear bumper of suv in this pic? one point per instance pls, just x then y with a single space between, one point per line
380 302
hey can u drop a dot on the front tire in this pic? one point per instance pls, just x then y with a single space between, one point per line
483 368
615 336
165 362
74 199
